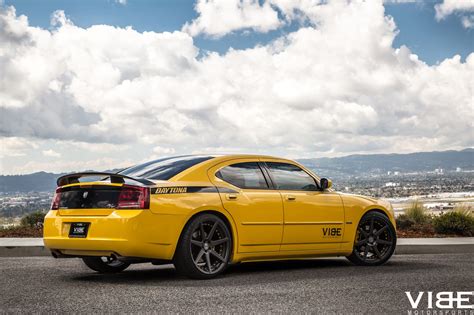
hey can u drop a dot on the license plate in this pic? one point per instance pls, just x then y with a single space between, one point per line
78 229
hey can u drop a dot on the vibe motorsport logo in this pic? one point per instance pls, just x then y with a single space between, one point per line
441 303
328 232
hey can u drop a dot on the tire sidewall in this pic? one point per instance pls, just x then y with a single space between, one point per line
183 259
354 258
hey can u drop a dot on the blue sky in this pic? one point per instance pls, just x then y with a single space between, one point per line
431 40
303 79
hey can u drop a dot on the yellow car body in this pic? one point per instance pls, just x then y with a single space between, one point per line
265 224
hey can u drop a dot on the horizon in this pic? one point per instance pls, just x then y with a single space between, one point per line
297 159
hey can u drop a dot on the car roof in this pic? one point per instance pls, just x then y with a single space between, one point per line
199 171
222 155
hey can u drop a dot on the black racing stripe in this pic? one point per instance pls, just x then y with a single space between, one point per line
204 189
190 189
225 190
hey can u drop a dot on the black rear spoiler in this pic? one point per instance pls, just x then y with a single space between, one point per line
114 178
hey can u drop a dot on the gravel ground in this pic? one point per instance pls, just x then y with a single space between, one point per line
43 284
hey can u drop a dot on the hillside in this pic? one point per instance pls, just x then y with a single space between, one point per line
40 181
383 163
331 167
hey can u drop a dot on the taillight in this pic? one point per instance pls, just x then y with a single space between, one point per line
56 199
134 197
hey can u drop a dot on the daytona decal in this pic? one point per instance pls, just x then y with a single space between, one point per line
171 190
183 190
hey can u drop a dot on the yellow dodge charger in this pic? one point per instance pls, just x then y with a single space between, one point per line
204 212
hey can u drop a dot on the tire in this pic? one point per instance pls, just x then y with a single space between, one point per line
204 249
375 240
105 264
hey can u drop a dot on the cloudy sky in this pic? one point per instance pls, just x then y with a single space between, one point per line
105 84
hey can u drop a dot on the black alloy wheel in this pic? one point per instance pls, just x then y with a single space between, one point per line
375 240
205 247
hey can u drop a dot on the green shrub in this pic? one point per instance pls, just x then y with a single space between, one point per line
417 213
34 219
404 222
455 222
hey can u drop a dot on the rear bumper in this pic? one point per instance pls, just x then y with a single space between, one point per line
127 233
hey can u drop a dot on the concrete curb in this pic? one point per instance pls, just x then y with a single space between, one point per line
22 247
459 245
25 247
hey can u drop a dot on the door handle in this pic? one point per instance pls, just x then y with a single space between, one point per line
290 197
231 196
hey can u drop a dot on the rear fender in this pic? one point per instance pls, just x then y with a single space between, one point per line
219 212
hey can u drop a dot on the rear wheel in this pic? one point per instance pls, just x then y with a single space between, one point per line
105 264
375 240
204 249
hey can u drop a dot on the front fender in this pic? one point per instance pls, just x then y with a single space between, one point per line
355 207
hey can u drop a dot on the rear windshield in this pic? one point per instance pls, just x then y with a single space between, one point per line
164 169
91 197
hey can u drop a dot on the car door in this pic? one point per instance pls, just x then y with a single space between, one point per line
256 209
313 219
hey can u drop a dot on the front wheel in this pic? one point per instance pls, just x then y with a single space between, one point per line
105 264
204 249
375 240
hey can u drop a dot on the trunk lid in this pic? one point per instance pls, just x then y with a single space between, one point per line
97 199
112 191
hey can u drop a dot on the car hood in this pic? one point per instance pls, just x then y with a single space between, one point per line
371 199
386 204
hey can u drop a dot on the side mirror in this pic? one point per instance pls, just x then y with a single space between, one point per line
325 183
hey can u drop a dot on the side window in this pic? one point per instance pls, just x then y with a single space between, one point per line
243 175
291 177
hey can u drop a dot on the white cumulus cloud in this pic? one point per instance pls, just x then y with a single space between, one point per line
14 146
401 1
163 151
335 86
51 153
448 7
468 21
71 166
217 18
59 18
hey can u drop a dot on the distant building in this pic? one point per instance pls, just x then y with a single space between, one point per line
439 171
458 169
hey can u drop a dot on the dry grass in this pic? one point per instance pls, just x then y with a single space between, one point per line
417 213
21 231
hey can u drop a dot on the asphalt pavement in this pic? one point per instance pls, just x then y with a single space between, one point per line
44 284
22 247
